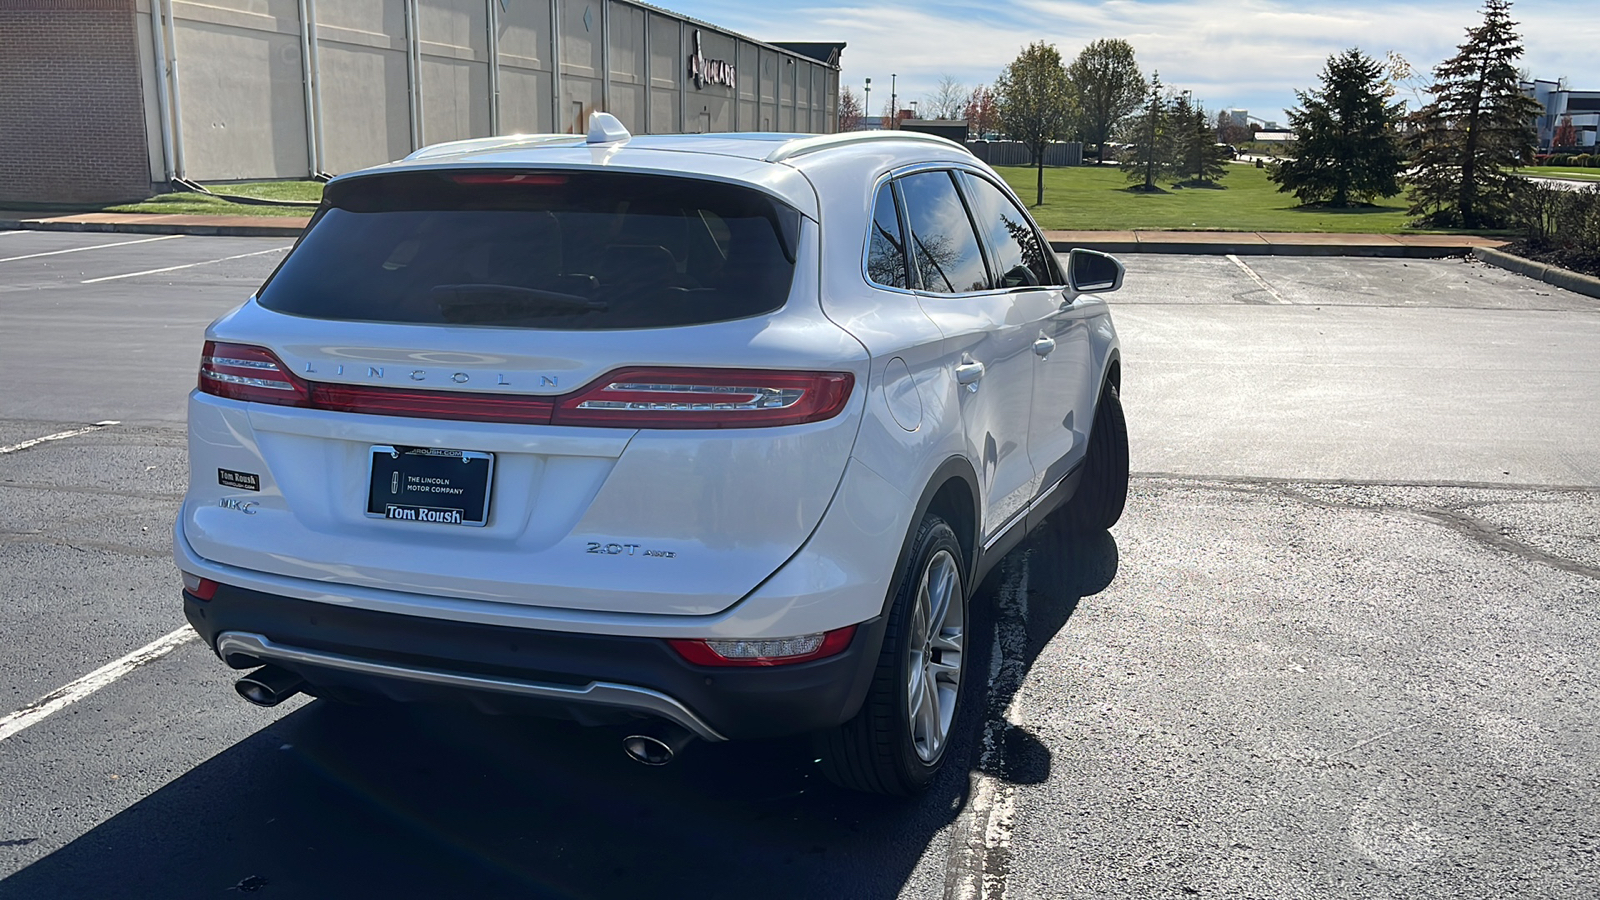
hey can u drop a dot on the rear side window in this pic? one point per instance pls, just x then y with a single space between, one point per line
1019 257
886 249
943 245
549 250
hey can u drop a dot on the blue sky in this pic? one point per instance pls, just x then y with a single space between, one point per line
1232 53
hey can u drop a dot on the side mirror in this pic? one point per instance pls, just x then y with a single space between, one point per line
1093 272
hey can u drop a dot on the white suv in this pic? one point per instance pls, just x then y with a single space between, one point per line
711 435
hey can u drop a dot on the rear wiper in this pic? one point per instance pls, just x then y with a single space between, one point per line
455 296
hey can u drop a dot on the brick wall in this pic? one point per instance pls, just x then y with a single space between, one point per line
71 109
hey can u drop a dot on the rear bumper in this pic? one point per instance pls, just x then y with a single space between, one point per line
592 678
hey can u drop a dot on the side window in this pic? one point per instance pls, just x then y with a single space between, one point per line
886 249
943 246
1019 257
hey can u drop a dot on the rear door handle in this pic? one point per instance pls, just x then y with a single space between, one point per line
1044 345
969 373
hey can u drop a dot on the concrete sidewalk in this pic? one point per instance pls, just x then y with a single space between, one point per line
147 223
1242 243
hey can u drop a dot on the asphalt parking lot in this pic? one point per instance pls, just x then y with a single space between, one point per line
1342 644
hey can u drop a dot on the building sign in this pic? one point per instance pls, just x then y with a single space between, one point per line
704 71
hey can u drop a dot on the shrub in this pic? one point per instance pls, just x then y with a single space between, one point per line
1580 160
1559 159
1554 219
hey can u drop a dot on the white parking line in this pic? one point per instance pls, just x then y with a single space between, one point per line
979 865
165 237
1257 279
59 699
184 266
58 436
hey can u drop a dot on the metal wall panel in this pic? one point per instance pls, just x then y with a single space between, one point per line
243 109
525 72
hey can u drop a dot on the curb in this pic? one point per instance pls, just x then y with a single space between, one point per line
157 228
1259 248
1577 282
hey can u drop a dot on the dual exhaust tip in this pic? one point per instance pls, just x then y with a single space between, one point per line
656 744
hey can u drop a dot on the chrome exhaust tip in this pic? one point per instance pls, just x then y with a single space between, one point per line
269 686
657 744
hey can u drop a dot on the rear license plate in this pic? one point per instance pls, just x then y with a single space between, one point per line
426 484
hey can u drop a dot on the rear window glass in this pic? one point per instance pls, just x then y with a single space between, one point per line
553 250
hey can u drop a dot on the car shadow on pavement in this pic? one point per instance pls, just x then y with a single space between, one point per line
342 801
1063 568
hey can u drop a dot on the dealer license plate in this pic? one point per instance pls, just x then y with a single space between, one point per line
427 484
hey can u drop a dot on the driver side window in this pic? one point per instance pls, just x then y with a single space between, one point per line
1020 258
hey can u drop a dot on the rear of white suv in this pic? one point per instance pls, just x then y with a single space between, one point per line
561 434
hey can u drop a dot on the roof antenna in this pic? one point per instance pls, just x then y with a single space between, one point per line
604 128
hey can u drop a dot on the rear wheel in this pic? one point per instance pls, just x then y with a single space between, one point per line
1103 490
897 742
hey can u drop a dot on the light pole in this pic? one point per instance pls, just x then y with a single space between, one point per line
866 105
894 103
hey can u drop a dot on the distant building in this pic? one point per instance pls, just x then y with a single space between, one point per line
105 99
1583 106
951 129
1237 118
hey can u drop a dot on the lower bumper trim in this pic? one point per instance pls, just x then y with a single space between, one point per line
601 693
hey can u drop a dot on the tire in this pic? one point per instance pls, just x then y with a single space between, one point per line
1103 491
897 742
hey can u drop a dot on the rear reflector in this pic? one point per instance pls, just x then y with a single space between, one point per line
764 652
625 398
199 588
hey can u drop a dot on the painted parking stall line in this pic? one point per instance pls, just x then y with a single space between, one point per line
165 237
65 696
206 262
1258 279
58 436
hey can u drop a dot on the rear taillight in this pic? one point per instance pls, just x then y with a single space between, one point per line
764 652
705 398
243 372
625 398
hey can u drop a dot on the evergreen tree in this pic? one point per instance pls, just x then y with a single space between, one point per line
1198 160
1150 133
1479 125
1035 102
1346 147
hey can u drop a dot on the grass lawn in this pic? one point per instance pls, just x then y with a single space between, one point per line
1562 172
184 203
1096 198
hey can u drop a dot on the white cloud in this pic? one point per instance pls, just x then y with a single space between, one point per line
1251 53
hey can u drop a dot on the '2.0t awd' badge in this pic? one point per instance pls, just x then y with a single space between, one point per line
244 481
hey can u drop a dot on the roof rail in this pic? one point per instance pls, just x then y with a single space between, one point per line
501 142
802 146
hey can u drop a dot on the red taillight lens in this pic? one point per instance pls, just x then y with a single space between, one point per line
625 398
764 652
705 398
457 405
242 372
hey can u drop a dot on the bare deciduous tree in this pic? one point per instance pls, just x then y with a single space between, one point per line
947 101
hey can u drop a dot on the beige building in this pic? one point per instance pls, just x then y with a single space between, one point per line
260 89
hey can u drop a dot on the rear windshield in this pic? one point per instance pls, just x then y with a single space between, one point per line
539 250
